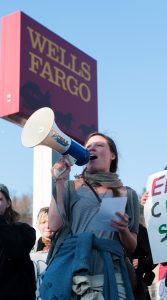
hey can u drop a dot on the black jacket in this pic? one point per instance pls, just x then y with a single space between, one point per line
17 278
143 253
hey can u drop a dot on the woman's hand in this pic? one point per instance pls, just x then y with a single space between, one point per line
121 223
144 198
61 169
128 238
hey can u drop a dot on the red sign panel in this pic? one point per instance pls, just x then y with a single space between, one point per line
37 69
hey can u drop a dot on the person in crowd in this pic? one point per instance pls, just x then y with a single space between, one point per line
92 235
144 198
44 241
145 195
143 201
143 264
42 246
17 277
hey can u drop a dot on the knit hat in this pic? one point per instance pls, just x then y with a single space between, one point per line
5 191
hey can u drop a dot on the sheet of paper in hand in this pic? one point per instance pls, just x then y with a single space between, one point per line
109 206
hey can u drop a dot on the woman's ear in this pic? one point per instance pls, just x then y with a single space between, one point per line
8 204
113 156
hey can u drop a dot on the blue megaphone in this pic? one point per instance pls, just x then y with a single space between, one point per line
41 129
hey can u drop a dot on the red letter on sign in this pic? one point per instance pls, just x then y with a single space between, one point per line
154 186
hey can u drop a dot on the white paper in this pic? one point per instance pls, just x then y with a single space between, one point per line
109 206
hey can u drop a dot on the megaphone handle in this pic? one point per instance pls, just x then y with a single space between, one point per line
57 173
70 160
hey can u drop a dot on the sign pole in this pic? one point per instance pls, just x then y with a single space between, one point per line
42 179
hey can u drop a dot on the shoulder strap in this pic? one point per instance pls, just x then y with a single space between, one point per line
93 190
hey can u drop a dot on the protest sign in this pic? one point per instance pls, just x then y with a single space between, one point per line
155 213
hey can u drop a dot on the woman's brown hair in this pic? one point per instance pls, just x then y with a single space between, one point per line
11 216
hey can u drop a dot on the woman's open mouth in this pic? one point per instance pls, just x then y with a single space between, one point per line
93 156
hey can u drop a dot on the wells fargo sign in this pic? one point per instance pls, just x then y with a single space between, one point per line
38 68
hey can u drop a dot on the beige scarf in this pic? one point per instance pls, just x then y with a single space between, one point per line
108 179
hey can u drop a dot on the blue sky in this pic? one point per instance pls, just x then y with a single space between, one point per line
129 41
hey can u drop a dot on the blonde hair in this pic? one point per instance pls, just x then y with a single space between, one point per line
43 213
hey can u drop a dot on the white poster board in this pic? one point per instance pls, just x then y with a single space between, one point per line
161 290
155 213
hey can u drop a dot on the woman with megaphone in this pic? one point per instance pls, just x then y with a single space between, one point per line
96 219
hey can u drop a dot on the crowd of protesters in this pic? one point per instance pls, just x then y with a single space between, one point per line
82 252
